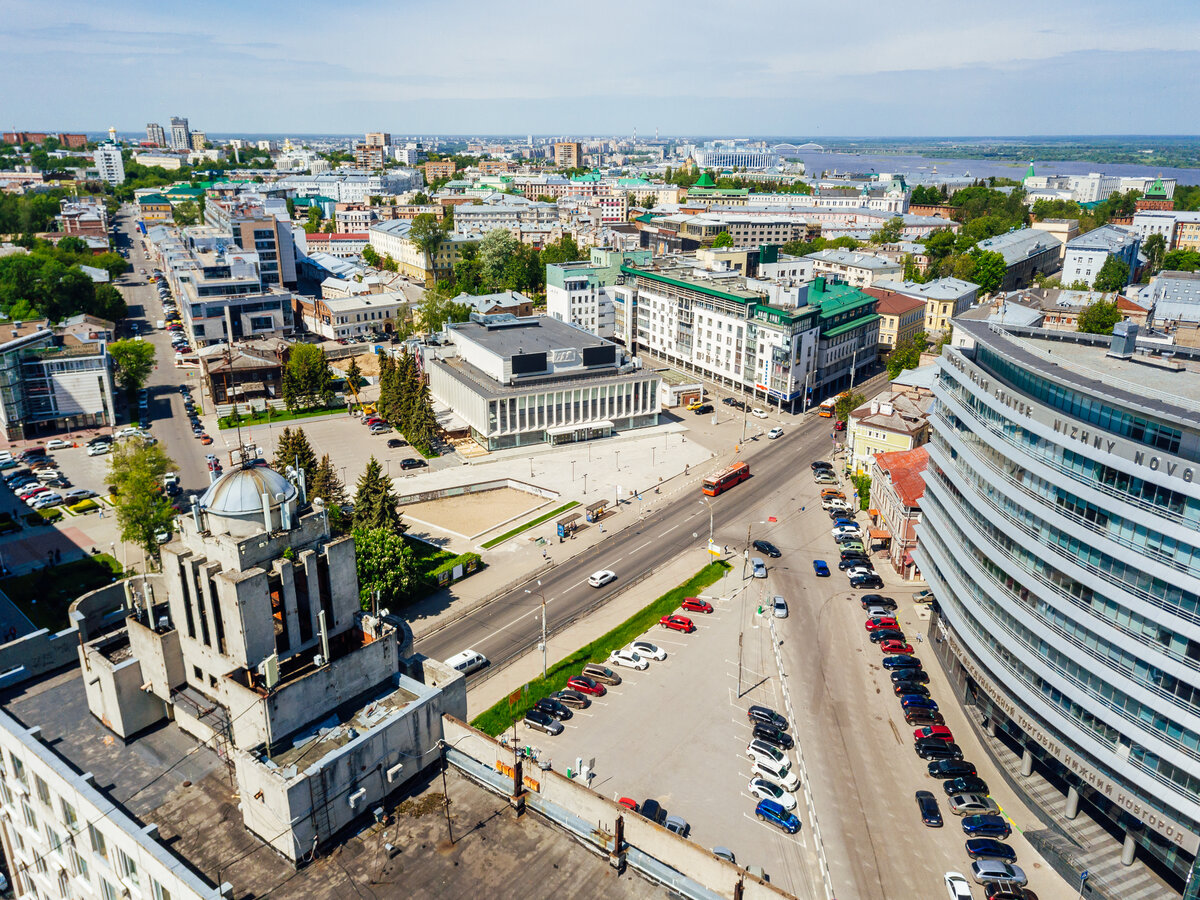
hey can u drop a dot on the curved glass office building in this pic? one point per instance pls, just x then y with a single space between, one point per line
1061 538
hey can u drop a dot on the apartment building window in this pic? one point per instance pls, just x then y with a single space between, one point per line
53 837
99 844
107 891
30 818
78 864
43 791
127 867
160 892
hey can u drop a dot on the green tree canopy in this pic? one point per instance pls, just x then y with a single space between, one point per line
988 271
386 564
1155 248
907 354
293 449
427 232
132 363
847 403
325 485
370 257
435 309
186 213
307 381
374 500
723 239
1181 261
1113 276
135 477
1099 317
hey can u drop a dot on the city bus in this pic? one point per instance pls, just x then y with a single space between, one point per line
726 478
825 410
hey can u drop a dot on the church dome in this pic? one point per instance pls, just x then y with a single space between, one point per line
238 493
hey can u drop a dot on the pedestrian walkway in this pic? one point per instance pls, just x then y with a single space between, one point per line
1080 844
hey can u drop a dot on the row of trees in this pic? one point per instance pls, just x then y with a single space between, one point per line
307 380
48 282
405 401
143 510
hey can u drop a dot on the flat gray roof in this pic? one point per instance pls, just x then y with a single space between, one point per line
531 334
1107 237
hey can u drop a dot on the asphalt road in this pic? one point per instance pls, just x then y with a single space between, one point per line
512 624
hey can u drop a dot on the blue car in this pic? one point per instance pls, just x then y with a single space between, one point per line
986 848
770 811
986 826
892 663
820 568
909 701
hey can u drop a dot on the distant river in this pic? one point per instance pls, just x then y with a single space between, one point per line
922 167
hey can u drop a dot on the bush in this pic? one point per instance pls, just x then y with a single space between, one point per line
501 715
53 514
87 504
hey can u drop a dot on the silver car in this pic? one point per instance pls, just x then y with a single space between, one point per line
993 870
758 567
779 607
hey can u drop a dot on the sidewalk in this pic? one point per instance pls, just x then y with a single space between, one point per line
528 666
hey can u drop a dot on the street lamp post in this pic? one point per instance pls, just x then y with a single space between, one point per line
543 599
531 467
710 518
618 456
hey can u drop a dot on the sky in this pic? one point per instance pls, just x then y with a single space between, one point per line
789 68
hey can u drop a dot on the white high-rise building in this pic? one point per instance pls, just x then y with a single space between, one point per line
181 135
110 164
155 134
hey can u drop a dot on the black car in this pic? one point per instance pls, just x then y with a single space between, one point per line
851 562
766 547
870 582
928 805
818 465
965 784
652 811
878 600
703 409
910 688
553 708
393 443
919 676
411 463
936 748
892 663
542 721
886 634
767 716
922 717
862 556
773 736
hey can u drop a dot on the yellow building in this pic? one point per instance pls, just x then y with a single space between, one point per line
154 208
391 239
901 317
1187 235
897 421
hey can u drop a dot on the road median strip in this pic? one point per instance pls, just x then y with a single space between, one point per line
496 541
501 715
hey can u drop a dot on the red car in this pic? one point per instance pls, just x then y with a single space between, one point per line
695 604
629 803
878 622
839 426
677 623
893 647
933 731
586 685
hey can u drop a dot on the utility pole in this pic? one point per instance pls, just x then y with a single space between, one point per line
543 599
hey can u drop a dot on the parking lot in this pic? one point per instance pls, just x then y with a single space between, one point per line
677 732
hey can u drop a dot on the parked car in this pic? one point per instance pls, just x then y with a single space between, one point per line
653 811
601 578
602 674
925 596
866 582
896 646
647 650
858 570
381 429
539 720
773 812
993 871
767 716
934 731
58 444
901 662
779 773
935 749
760 750
412 463
627 658
911 700
965 784
950 768
973 804
877 600
928 805
877 622
779 607
758 568
586 685
957 887
988 848
758 413
986 826
572 698
630 804
855 563
818 465
885 634
764 789
910 689
677 824
918 675
773 736
394 443
45 501
821 568
767 549
554 708
695 604
703 410
677 623
79 494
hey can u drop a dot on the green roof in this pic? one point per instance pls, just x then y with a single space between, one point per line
633 182
740 297
849 326
1157 191
184 190
153 198
705 180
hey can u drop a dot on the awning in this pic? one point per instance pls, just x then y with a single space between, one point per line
598 505
880 534
872 512
567 520
908 559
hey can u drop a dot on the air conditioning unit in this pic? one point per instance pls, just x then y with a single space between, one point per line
394 773
318 660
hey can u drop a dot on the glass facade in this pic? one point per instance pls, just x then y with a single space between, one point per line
1073 581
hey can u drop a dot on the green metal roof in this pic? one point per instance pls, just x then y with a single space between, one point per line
153 198
743 297
849 326
705 180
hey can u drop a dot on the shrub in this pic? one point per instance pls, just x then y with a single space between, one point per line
87 504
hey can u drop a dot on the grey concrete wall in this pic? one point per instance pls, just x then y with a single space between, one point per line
691 859
43 651
476 488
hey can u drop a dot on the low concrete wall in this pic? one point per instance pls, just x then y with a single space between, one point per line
43 651
694 862
478 488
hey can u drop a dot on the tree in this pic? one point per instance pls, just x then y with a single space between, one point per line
1099 317
1113 276
354 373
565 250
186 213
132 363
988 270
325 485
374 501
422 423
135 477
723 239
891 231
1181 261
435 309
370 257
312 224
847 403
1155 248
385 563
497 247
109 303
907 354
307 381
293 449
427 233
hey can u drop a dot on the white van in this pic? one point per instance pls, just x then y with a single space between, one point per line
467 662
780 773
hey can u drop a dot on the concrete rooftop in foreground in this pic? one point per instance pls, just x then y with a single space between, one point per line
165 777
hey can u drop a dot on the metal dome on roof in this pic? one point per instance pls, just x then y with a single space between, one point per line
238 493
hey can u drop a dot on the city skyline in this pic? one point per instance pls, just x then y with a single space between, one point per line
1090 63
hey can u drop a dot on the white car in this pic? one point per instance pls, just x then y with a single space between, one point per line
834 503
858 571
957 887
758 413
769 790
45 501
627 658
58 444
781 775
847 529
98 449
128 432
601 578
775 433
761 751
647 650
758 568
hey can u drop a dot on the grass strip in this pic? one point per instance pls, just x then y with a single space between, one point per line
500 716
260 417
488 545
